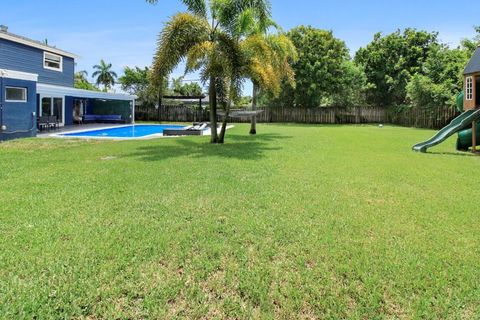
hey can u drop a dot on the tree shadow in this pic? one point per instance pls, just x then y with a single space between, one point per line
241 147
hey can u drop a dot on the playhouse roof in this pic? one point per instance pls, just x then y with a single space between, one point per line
474 65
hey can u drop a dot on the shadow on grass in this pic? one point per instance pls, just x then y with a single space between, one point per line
237 147
458 154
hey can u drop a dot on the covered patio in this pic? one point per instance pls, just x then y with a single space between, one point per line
71 106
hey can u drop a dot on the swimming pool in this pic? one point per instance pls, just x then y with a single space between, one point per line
137 131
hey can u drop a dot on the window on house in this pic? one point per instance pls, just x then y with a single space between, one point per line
469 88
52 61
52 107
15 94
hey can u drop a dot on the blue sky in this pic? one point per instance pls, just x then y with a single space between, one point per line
124 32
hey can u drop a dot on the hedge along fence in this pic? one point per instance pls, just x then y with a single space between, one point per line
330 115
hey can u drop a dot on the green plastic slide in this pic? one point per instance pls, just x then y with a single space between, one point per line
464 140
458 124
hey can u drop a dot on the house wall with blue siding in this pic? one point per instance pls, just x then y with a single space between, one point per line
68 110
19 57
18 117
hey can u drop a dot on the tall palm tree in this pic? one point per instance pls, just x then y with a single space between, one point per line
104 74
81 76
204 37
266 56
177 84
268 63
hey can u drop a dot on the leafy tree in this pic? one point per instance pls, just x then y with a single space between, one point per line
81 81
322 71
424 93
351 87
81 76
318 70
243 101
176 85
86 86
179 87
136 81
471 44
390 61
204 36
440 79
104 74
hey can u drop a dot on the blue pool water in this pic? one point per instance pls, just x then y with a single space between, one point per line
131 131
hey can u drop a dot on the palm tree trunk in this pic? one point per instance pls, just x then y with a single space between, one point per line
221 137
213 110
253 127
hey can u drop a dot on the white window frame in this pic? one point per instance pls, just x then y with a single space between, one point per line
25 94
55 55
469 88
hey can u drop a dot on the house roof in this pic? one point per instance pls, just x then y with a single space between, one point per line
473 65
47 89
35 44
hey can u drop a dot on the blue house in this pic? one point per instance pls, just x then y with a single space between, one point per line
37 80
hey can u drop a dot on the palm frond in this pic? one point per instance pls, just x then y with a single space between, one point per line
232 14
180 34
268 60
198 55
245 24
197 7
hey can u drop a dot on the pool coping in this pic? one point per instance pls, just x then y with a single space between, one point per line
63 135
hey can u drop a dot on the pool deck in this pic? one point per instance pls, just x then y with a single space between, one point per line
77 127
98 126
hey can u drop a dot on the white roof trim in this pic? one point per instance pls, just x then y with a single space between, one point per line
4 73
47 89
36 44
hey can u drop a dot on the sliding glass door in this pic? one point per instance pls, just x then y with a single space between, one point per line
53 106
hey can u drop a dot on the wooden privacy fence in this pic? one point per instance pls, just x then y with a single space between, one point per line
324 115
418 118
300 115
171 113
331 115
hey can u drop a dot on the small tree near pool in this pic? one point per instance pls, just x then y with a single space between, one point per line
204 36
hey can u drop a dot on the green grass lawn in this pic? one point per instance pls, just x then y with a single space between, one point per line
296 222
